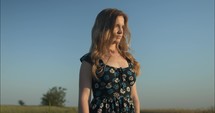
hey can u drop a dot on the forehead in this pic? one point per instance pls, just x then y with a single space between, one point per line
119 20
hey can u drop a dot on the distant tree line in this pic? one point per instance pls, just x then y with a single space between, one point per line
53 97
21 102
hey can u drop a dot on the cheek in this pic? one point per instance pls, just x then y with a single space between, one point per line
115 31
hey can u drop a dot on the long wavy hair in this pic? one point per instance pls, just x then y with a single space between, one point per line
102 33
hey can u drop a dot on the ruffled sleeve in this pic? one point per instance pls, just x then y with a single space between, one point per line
86 58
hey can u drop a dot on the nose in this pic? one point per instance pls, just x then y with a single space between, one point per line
119 31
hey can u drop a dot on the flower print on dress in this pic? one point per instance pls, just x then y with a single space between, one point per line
131 70
101 105
125 105
132 83
116 95
116 86
106 77
106 69
96 85
131 78
99 110
123 77
107 106
112 70
94 106
116 80
122 91
109 85
124 85
102 84
128 89
104 100
112 90
129 73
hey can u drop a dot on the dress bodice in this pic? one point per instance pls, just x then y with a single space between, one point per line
112 88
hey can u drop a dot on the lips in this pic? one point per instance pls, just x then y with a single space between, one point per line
118 36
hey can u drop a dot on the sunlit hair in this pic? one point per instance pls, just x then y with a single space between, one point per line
102 33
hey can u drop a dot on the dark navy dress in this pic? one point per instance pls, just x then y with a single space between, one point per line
112 89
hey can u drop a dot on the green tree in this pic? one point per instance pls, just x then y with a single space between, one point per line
21 103
54 97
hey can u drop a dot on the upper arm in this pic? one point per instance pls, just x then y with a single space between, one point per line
134 94
85 80
135 98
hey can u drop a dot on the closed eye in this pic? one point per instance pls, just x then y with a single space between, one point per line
120 26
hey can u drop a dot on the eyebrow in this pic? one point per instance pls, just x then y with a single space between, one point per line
119 25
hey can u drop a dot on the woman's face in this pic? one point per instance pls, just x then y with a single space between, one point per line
118 29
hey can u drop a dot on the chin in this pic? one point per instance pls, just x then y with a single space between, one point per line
118 40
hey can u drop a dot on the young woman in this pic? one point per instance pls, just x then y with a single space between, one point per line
109 71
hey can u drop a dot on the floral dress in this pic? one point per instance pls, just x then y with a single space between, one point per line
112 90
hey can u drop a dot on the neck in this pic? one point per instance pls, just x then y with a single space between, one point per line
113 48
113 51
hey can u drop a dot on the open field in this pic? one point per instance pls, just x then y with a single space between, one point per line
47 109
209 110
37 109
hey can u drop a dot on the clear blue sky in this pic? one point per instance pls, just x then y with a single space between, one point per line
42 41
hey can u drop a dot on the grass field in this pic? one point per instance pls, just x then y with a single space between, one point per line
47 109
37 109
